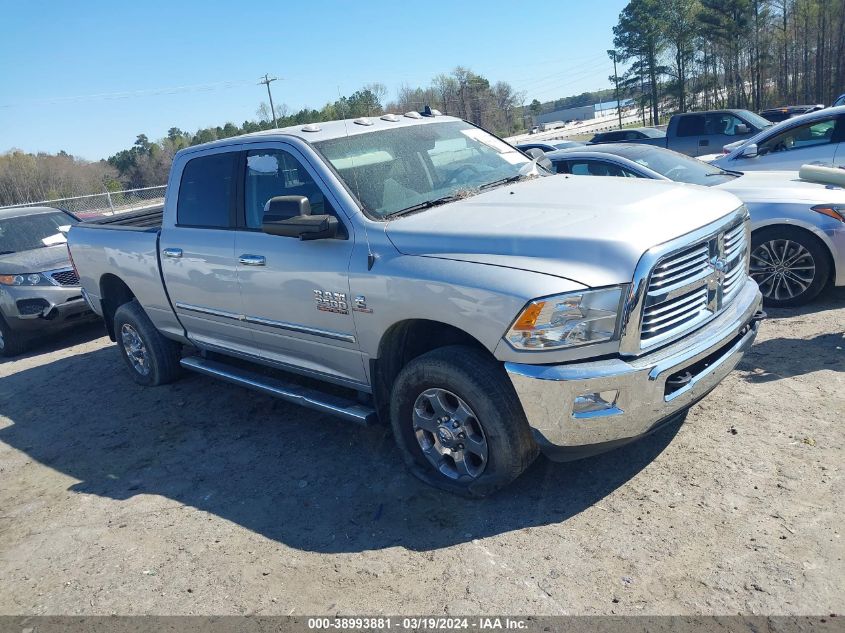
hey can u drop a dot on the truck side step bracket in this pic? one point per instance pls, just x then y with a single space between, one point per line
347 409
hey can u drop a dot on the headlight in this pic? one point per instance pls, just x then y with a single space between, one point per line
32 279
567 320
835 211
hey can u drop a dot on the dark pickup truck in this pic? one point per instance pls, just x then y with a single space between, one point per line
698 133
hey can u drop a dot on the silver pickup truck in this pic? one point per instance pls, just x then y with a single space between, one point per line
419 271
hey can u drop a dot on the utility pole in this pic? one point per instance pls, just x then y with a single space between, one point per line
612 54
267 81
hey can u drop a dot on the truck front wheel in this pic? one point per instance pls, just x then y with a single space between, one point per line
459 423
152 358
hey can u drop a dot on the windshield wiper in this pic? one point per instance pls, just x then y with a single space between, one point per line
503 181
422 205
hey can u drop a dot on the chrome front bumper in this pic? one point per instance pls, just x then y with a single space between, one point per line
642 401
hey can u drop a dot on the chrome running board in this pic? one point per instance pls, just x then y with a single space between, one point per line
313 399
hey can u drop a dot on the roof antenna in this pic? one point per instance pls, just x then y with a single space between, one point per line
427 111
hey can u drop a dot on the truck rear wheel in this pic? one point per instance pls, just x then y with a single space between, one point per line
152 358
459 423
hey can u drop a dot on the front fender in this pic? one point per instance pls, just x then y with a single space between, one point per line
479 299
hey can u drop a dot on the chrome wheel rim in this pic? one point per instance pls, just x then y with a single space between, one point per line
449 434
783 269
135 349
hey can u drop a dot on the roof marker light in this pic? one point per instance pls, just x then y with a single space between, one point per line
413 115
362 121
389 117
311 127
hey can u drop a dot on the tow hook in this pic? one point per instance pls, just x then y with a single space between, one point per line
758 316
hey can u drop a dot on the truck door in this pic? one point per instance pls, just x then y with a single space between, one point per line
295 293
197 251
689 138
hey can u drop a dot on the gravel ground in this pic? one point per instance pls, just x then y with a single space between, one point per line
203 498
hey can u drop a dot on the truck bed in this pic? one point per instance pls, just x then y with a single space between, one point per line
124 247
148 219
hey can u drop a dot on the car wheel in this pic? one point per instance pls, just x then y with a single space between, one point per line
11 342
790 265
152 358
458 422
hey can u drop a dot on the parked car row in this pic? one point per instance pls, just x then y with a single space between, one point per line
742 140
692 133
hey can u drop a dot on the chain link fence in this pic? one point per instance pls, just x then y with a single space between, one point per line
108 203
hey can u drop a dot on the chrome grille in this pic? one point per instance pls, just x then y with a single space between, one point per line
688 287
65 277
735 248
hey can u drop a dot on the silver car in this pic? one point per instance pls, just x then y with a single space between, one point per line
815 137
39 290
798 227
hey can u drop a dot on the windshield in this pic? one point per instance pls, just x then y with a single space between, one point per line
756 120
27 232
393 170
675 166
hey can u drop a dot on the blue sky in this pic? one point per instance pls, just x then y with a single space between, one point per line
88 76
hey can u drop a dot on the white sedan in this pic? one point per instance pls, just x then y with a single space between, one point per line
817 137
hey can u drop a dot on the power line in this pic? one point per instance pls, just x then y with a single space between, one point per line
129 94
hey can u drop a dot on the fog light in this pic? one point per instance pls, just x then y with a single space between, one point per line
597 402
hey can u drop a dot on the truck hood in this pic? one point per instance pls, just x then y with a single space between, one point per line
35 261
591 230
781 187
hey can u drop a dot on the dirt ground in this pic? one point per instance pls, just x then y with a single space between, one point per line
203 498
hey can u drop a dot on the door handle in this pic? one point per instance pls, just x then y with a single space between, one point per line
252 260
172 252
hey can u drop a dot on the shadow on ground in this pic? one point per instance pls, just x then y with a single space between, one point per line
305 480
785 357
46 343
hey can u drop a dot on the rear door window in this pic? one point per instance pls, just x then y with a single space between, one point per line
206 192
691 125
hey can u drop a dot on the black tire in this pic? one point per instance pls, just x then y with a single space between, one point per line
799 284
11 343
482 384
160 354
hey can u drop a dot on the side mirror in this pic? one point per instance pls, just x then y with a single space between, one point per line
535 152
750 151
546 164
742 129
290 216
